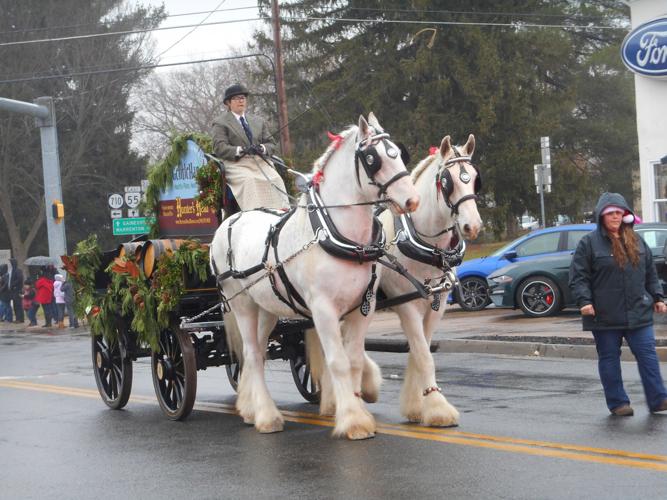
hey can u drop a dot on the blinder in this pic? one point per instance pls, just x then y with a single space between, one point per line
446 183
372 163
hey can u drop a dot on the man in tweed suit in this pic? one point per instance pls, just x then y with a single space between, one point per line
237 137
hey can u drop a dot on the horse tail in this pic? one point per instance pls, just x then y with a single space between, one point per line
233 335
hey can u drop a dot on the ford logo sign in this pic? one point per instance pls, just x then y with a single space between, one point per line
644 50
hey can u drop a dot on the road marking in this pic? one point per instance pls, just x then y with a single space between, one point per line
413 431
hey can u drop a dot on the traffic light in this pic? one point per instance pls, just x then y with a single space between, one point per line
58 210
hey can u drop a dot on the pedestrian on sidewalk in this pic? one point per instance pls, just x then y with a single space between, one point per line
59 295
5 306
15 289
615 284
68 292
44 295
29 304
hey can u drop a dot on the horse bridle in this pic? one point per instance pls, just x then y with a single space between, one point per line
446 183
372 163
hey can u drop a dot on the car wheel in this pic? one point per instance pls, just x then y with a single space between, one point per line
474 294
539 296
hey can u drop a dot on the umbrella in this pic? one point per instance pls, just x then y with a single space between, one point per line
41 260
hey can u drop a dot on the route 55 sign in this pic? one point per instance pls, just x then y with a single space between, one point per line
133 199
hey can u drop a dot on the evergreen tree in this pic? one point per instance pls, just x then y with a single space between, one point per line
94 120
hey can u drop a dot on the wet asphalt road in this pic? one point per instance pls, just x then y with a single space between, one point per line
530 428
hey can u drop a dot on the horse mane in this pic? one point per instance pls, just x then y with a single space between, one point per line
320 163
422 166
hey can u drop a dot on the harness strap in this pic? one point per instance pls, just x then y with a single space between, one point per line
413 247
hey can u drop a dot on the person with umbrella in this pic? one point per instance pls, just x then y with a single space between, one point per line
44 295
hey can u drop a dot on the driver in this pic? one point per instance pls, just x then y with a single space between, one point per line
239 139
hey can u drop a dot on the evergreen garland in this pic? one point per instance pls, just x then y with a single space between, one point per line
160 175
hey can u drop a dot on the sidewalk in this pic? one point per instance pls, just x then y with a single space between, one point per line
491 331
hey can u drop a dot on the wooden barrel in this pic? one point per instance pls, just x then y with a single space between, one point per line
132 250
153 249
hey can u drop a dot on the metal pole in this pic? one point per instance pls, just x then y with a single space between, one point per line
541 172
45 119
285 143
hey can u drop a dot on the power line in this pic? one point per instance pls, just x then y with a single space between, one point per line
132 68
514 24
103 25
517 24
189 32
128 32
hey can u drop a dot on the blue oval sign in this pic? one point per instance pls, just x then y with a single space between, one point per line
644 50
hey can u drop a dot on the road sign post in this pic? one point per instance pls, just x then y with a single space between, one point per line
543 174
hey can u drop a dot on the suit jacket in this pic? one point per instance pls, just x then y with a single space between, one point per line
228 134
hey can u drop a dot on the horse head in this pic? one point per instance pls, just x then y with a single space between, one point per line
380 160
460 182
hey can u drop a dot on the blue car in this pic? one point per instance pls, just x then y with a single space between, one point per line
473 294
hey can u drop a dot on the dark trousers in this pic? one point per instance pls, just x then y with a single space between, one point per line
18 308
49 313
642 345
32 313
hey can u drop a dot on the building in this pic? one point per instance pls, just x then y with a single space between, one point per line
648 60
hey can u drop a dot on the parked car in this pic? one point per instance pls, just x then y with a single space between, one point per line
539 287
473 293
529 222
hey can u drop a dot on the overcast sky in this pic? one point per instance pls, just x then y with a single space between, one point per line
205 42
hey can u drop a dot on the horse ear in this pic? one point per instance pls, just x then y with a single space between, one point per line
470 145
363 127
445 146
373 121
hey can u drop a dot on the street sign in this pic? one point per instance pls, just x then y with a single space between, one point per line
133 198
136 225
144 185
116 214
132 189
132 212
115 200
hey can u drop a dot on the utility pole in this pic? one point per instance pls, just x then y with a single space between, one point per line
285 143
45 118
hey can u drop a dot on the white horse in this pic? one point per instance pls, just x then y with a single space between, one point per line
447 183
359 167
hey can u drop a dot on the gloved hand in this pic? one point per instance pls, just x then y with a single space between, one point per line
254 149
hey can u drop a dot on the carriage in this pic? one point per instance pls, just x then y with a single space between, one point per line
196 333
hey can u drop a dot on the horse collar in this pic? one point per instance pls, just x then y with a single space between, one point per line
336 244
413 247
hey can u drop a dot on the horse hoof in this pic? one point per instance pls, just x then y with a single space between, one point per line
359 435
274 425
415 418
440 414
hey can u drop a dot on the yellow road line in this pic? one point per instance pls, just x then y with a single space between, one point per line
512 445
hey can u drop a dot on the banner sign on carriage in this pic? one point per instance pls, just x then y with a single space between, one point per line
179 214
644 50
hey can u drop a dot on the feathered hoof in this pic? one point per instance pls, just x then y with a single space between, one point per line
360 425
271 424
414 416
438 412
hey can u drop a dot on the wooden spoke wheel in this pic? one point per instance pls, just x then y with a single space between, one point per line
174 369
112 367
233 374
302 379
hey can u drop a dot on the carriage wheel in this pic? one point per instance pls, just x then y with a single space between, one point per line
302 379
174 371
112 367
233 373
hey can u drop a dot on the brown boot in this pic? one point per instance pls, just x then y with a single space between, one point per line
623 411
61 324
661 407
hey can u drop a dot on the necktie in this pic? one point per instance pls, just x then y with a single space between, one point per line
246 128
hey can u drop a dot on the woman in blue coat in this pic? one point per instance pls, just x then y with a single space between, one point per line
614 281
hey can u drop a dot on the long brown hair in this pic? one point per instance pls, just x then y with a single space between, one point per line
626 246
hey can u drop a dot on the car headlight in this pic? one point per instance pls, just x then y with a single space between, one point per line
501 280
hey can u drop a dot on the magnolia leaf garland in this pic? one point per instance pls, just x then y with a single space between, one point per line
149 303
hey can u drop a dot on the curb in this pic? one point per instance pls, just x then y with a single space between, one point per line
507 348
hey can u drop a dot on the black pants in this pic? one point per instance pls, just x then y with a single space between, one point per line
18 308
